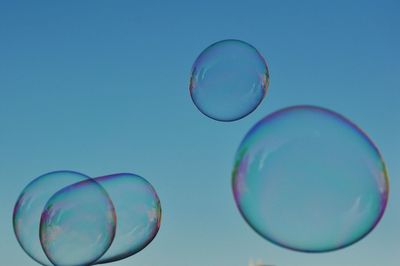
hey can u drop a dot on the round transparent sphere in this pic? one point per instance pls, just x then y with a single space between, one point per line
78 224
29 207
138 212
308 179
229 80
67 218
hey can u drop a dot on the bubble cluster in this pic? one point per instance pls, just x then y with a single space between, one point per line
308 179
229 80
305 178
84 221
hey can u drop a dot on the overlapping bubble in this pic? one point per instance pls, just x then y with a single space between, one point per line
30 205
308 179
84 221
138 210
78 224
229 80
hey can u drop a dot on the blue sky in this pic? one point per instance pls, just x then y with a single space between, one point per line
101 87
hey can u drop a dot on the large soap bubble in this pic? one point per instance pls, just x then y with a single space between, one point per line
308 179
229 80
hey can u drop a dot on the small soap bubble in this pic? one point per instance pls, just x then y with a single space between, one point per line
30 204
67 218
138 212
229 80
78 224
308 179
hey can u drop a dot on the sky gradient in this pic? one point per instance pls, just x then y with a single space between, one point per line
101 87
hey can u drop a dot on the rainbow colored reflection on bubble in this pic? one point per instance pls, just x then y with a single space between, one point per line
308 179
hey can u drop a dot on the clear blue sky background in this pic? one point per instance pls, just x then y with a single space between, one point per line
102 87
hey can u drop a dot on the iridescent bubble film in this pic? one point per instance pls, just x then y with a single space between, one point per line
78 224
138 212
29 207
229 80
308 179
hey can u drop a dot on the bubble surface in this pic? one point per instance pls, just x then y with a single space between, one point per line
30 204
138 212
229 80
78 224
308 179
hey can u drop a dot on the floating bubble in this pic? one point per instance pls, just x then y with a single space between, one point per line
75 219
77 224
229 80
308 179
29 207
138 213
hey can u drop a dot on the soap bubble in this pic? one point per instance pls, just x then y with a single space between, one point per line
138 211
29 207
67 218
308 179
77 224
229 80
